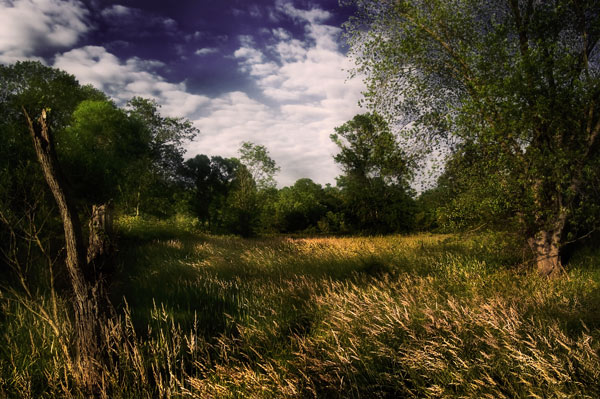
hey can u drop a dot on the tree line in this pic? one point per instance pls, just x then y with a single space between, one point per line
239 195
133 157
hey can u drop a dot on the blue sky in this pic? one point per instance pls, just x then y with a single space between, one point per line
273 71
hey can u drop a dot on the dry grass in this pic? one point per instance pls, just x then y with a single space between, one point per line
425 316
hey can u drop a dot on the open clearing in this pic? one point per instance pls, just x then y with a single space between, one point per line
399 316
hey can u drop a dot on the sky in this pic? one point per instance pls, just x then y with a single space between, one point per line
273 72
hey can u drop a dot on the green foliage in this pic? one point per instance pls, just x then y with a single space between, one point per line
154 182
105 153
244 190
131 156
165 136
231 195
368 149
260 165
242 209
375 184
469 196
29 232
34 86
267 221
300 206
518 80
97 150
210 180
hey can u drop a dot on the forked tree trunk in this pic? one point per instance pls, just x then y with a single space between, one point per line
82 278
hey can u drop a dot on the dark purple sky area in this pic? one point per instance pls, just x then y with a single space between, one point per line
272 72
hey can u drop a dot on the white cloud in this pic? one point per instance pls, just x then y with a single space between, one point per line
252 61
169 23
313 16
308 80
206 51
124 80
249 55
297 138
30 26
117 10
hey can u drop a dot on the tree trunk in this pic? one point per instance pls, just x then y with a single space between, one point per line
81 276
101 228
545 246
137 203
550 220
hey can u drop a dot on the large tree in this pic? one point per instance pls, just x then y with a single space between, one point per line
242 209
259 163
209 180
376 173
25 203
98 149
86 287
154 178
82 146
252 191
519 79
300 206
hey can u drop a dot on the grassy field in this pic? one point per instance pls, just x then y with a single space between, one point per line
423 316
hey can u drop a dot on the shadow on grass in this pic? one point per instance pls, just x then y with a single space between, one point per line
213 284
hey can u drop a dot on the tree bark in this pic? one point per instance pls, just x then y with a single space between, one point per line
101 227
550 218
546 249
82 278
137 203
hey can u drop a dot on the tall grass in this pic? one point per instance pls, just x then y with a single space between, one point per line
425 316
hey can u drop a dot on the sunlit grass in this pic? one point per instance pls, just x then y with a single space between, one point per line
399 316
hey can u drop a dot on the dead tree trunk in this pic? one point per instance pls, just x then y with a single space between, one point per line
101 227
82 277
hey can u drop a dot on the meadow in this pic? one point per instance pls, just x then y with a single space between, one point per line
419 316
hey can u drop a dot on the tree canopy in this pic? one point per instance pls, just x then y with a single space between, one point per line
259 163
210 180
518 79
376 174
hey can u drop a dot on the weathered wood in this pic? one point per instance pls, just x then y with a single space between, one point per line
101 230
